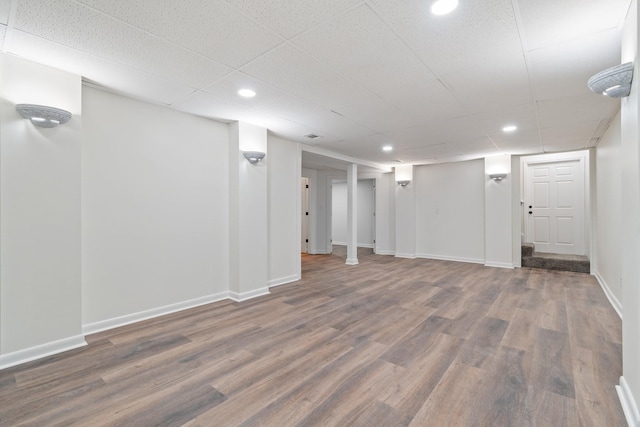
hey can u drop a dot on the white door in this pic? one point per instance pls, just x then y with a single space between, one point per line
554 206
304 244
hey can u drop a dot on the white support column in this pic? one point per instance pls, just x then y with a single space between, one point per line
248 244
405 212
498 213
352 214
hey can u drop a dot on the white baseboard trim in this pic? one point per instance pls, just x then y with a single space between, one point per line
40 351
360 245
610 296
244 296
103 325
629 405
352 262
408 256
381 252
318 252
283 280
451 258
499 264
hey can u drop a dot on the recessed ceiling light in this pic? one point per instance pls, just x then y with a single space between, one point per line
246 93
387 148
442 7
509 128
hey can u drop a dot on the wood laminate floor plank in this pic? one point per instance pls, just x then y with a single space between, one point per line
389 342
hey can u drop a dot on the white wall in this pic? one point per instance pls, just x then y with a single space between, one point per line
155 196
40 308
608 220
385 214
630 169
284 210
366 223
450 210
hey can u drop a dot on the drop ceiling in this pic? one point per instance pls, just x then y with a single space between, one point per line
361 74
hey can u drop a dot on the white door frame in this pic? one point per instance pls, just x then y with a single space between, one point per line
583 155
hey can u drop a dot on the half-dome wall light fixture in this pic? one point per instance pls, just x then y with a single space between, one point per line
498 176
614 82
43 116
403 183
253 156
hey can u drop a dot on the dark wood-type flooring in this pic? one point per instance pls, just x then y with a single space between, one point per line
390 342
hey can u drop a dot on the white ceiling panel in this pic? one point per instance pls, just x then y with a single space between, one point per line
492 85
360 73
212 28
294 72
549 22
360 45
5 8
89 31
476 32
562 134
565 111
454 130
523 116
562 70
377 115
432 102
109 74
579 144
290 18
510 141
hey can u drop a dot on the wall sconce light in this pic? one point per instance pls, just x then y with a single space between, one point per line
403 174
43 116
614 82
253 156
498 176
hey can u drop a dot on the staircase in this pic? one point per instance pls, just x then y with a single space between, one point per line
559 262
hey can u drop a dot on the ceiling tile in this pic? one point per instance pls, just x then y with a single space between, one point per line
296 73
5 7
549 22
360 45
290 18
273 101
511 141
87 30
562 70
455 130
576 109
523 116
566 133
106 73
212 28
578 144
476 32
377 115
492 85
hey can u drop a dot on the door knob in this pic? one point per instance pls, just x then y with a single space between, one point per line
530 212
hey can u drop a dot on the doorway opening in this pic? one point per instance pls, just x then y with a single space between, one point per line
555 218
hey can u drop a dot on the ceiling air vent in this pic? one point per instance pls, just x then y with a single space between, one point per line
398 161
312 136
